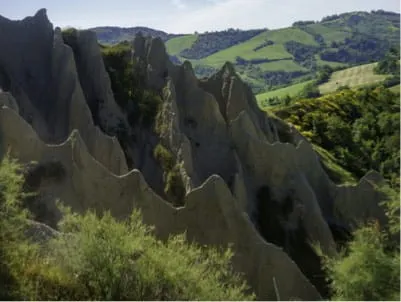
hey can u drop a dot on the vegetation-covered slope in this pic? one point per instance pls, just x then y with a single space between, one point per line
327 79
114 35
360 130
292 91
368 268
269 58
353 77
277 57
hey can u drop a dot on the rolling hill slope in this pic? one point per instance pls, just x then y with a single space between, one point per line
352 77
267 58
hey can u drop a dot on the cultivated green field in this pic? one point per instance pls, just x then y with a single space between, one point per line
352 77
283 65
261 55
175 45
292 90
395 89
276 51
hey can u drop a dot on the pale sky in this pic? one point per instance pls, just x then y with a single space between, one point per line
187 16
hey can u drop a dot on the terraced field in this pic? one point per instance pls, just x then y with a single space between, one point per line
352 77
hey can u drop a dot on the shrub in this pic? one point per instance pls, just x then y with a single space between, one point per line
148 106
96 257
128 85
70 36
174 187
369 268
358 127
123 261
12 223
164 157
390 64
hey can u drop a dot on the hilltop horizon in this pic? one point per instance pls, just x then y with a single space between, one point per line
188 16
228 28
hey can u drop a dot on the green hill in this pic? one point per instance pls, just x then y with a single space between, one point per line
291 91
114 35
385 73
268 58
352 130
175 45
352 77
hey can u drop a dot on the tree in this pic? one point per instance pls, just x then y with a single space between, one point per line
310 91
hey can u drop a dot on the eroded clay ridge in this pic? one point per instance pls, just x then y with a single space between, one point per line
241 168
39 70
211 215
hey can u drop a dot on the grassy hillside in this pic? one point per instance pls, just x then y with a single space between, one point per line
269 58
327 80
247 50
277 57
352 77
175 45
291 91
395 89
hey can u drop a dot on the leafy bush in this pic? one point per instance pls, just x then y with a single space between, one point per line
148 107
96 257
369 268
12 224
70 36
118 64
175 187
359 127
123 261
128 85
311 90
390 64
164 157
323 74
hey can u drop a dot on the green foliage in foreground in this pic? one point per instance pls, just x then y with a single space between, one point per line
369 268
96 257
360 128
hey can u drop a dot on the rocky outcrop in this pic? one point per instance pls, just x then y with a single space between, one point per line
42 76
211 215
216 127
6 99
250 179
95 81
